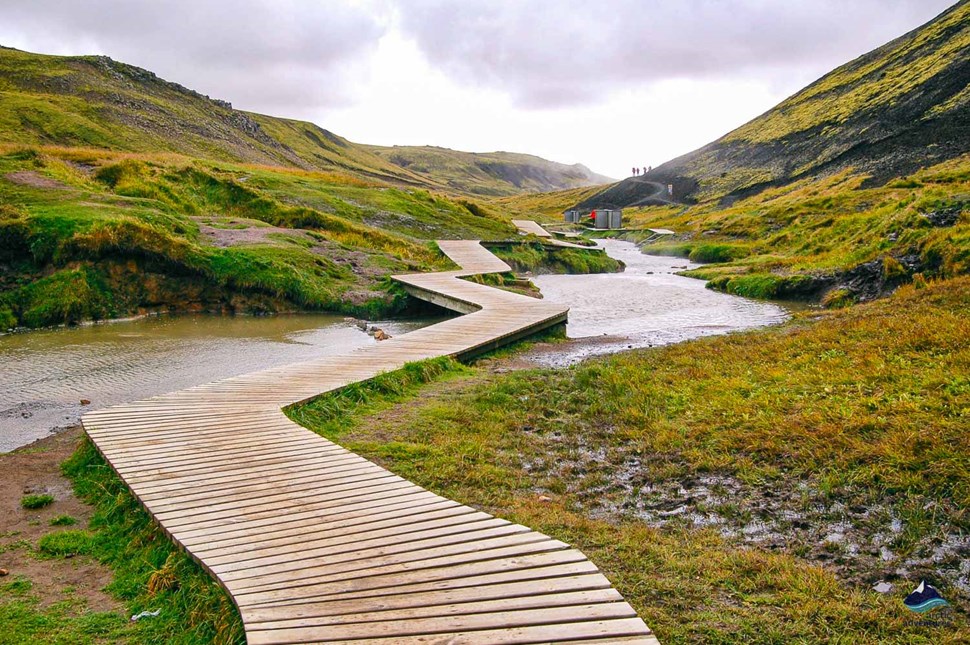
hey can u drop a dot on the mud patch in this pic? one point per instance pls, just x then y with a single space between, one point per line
35 180
864 538
237 232
36 470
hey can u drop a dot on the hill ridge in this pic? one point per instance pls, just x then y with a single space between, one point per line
99 102
898 108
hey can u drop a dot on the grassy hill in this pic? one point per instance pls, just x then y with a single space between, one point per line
93 101
122 193
901 107
492 173
855 185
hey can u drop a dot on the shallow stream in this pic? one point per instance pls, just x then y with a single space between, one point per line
646 305
44 375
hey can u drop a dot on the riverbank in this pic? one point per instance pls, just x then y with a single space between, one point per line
746 488
80 565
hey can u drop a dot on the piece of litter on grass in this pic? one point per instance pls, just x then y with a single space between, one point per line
145 614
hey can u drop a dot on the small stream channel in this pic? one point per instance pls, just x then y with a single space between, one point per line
45 374
645 306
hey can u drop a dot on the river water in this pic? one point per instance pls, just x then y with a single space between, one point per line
645 306
44 375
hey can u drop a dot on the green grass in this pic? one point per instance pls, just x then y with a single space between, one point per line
538 258
830 407
63 520
33 502
330 414
149 571
799 241
125 237
66 543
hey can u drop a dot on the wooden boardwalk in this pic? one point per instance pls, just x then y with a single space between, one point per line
316 544
528 227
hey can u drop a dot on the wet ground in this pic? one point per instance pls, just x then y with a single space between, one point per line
867 539
46 375
645 306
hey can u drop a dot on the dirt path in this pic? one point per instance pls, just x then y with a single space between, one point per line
35 469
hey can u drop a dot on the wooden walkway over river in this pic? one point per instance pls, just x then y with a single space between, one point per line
316 544
528 227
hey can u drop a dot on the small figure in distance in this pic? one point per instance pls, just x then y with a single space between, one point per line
645 171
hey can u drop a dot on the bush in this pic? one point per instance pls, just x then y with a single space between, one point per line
766 285
892 270
65 297
8 320
838 298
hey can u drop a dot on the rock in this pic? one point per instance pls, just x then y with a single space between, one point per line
944 217
4 572
883 587
85 402
545 498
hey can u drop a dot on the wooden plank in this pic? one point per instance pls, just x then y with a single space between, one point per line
316 544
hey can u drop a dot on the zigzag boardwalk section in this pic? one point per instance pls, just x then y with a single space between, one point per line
528 227
315 543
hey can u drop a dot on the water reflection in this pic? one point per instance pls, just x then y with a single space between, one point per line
45 374
646 305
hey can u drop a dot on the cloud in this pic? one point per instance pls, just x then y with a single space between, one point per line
284 55
555 53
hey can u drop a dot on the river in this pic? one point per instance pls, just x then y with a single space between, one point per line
44 375
645 306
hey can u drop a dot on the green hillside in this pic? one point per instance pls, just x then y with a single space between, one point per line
853 186
899 108
122 193
494 174
93 101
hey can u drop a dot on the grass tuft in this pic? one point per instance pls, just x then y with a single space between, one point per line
33 502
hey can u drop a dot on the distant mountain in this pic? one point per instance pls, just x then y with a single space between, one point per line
903 106
491 173
94 101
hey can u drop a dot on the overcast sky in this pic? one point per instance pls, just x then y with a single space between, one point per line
608 83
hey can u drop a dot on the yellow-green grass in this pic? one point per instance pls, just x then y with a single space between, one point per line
535 257
899 68
486 173
89 234
816 228
545 207
863 406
